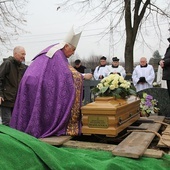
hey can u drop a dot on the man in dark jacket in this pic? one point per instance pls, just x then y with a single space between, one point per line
11 72
165 64
79 67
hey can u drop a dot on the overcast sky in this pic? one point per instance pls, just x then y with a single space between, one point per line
46 25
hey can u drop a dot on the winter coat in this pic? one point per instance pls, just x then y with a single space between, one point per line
166 68
11 72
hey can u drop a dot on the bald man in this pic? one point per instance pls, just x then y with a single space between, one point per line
11 72
143 75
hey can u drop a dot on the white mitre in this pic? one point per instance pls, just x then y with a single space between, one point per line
71 38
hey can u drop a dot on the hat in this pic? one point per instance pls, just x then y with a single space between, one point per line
115 59
103 58
71 38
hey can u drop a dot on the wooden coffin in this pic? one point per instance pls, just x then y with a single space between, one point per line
109 116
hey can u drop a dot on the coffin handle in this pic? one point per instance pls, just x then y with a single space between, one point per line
120 119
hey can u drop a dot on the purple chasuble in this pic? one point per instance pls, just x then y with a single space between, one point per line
45 97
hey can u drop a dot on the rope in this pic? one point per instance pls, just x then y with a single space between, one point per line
163 133
150 131
161 122
166 133
156 133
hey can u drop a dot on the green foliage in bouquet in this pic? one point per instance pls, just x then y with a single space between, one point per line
115 86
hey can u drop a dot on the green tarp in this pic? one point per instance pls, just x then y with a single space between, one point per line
19 151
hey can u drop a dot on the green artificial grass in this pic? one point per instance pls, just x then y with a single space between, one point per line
20 151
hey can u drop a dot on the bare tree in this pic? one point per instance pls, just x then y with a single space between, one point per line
12 19
136 14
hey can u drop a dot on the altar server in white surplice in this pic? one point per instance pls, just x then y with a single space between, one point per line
143 75
101 71
115 68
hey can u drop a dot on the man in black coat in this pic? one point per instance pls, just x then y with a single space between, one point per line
11 72
165 64
79 67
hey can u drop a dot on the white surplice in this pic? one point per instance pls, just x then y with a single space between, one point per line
119 69
147 72
100 71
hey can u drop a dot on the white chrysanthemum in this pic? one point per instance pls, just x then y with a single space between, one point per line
103 80
155 83
100 86
115 83
128 84
109 79
112 76
112 87
116 76
125 85
121 79
106 79
106 84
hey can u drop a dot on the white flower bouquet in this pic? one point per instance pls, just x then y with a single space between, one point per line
115 86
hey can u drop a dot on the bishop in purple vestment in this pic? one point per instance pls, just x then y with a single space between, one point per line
49 96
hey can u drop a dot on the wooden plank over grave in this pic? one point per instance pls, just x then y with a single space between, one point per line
165 142
136 143
56 140
152 153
